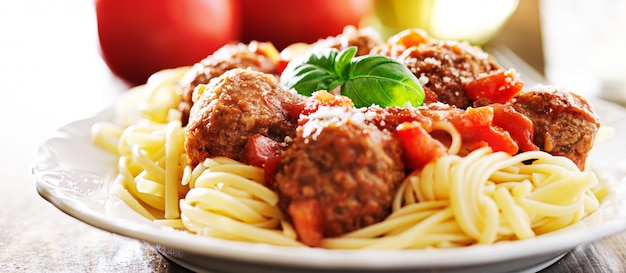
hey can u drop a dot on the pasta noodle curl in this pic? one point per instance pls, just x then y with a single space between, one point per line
228 200
481 198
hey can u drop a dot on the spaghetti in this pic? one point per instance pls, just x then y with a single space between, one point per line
229 201
148 138
481 198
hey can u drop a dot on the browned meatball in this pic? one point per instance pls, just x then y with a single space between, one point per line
364 39
564 122
348 169
238 104
227 57
445 67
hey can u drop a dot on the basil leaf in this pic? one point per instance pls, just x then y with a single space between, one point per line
342 62
367 80
316 71
380 80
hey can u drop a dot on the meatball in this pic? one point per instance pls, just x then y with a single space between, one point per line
443 67
227 57
364 39
238 104
564 122
347 170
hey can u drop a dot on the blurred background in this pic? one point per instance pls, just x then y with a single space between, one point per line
577 43
137 37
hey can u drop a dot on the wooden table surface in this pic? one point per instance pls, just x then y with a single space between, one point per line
50 75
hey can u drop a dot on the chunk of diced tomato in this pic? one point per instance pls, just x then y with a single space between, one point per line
496 138
419 146
478 128
270 169
519 126
409 37
497 87
306 216
472 118
259 149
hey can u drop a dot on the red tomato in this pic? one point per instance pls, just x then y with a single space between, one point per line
496 138
497 87
519 126
259 149
140 37
419 146
477 129
466 121
284 22
306 215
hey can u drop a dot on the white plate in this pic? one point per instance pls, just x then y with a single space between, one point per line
74 175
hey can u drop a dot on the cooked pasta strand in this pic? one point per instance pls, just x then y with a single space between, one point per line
480 198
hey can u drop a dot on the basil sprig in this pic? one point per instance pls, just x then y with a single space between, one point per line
367 80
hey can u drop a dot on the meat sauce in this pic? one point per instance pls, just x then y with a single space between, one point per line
335 167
